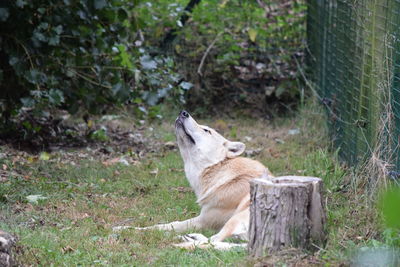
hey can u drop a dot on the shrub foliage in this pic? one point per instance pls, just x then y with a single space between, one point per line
235 52
70 53
90 54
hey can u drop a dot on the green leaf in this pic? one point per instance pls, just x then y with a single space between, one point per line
82 15
54 40
70 73
125 57
151 98
116 88
122 14
35 76
58 29
148 63
279 91
39 36
138 100
99 135
27 125
99 4
164 91
186 85
20 3
252 34
120 91
4 14
43 26
56 97
13 61
41 10
44 156
28 102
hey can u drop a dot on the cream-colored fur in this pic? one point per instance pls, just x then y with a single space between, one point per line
220 179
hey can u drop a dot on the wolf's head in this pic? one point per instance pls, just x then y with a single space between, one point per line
201 145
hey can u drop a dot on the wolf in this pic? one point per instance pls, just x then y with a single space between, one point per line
219 177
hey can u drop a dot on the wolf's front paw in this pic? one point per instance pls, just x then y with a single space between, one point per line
194 237
192 241
215 238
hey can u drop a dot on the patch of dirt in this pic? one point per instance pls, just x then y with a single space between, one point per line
107 134
289 257
109 139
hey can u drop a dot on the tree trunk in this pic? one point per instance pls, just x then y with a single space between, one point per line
7 242
285 212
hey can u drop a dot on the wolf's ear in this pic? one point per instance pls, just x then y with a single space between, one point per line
234 148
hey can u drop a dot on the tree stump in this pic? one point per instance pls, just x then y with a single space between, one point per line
7 242
285 212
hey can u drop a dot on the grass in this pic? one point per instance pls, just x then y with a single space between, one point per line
72 226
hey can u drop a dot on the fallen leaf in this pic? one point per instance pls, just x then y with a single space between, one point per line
35 198
44 156
67 249
123 161
110 162
32 159
252 34
170 145
274 153
293 131
154 172
247 138
90 124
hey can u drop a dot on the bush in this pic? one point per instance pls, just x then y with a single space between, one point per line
235 52
65 53
76 55
81 54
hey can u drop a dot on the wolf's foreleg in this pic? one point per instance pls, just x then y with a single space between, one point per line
236 226
178 226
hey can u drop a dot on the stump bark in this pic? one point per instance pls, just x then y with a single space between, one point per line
7 242
285 212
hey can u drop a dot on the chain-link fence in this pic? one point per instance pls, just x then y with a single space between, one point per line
354 60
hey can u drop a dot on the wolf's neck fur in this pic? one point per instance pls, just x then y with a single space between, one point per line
194 174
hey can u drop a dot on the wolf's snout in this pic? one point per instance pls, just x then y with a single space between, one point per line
184 114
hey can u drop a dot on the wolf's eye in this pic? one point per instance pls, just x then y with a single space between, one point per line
207 131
